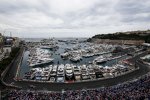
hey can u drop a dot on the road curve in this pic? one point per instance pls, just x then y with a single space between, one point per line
143 69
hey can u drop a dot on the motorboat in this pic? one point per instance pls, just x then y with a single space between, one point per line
60 70
29 75
88 55
65 55
92 73
39 57
84 73
69 71
77 70
53 71
100 60
41 62
60 79
76 58
48 44
45 75
52 79
77 73
78 77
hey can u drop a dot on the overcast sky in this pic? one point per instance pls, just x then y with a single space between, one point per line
72 18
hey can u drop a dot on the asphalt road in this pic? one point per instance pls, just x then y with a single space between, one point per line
12 71
71 86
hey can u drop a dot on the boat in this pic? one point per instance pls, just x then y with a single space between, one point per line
65 55
91 72
45 75
88 55
41 62
60 70
52 79
48 44
99 74
60 79
75 58
38 75
29 75
39 57
69 72
84 73
77 70
77 73
85 77
100 60
77 77
53 71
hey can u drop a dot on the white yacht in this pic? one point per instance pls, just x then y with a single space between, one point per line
88 55
84 73
77 73
54 71
40 62
76 58
60 70
91 72
39 57
77 70
100 60
69 71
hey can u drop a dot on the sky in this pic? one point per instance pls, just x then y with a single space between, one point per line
72 18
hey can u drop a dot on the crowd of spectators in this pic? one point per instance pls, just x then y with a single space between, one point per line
137 89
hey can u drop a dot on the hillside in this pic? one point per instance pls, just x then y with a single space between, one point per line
132 35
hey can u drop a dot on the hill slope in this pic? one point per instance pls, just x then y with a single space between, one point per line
133 35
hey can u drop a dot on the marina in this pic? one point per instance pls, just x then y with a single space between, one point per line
74 50
73 61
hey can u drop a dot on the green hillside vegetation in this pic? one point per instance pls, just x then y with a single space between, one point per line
123 36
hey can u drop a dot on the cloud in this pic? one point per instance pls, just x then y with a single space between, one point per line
65 17
134 11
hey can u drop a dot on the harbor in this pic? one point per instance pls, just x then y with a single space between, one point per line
74 61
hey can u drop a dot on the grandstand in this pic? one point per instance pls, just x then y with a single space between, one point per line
138 89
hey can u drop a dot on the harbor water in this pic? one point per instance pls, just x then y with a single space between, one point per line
58 60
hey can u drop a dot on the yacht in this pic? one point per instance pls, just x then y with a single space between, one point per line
88 55
48 44
91 72
84 73
60 70
77 73
38 75
65 55
29 75
76 58
100 60
54 71
45 75
41 61
39 57
77 70
69 71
